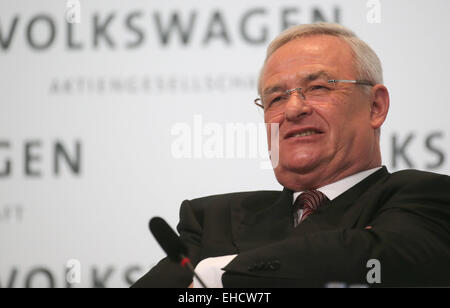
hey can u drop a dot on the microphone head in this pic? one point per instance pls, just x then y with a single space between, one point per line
169 241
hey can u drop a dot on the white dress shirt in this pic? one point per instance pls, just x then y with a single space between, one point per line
211 270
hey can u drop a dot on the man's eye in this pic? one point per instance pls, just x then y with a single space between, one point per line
277 99
318 87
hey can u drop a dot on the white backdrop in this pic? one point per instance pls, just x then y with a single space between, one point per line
91 117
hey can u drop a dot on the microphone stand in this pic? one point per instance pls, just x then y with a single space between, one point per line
186 262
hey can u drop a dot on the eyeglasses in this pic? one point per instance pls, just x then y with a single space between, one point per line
317 92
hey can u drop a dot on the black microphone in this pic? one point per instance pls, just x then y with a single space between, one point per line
171 243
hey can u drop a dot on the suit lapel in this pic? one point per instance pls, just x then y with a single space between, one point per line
267 217
261 219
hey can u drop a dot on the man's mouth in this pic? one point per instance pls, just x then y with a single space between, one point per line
303 133
306 133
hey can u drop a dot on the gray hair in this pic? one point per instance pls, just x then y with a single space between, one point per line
367 63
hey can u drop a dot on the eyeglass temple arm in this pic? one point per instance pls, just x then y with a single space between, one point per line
256 102
362 82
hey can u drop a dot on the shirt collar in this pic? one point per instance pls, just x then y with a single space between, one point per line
335 189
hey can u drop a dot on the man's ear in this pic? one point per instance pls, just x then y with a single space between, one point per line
379 106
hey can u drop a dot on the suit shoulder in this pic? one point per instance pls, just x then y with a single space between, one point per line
217 207
235 197
418 176
419 185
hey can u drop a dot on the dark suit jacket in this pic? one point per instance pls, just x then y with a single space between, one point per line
408 212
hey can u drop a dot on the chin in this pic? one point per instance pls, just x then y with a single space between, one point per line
296 177
289 169
301 162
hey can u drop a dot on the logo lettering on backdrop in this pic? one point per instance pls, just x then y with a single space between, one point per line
402 153
30 156
11 213
42 31
95 276
152 84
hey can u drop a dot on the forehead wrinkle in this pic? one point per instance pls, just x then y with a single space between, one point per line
316 75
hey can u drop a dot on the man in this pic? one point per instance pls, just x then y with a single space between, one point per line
342 217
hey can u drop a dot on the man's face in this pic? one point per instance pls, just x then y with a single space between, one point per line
342 136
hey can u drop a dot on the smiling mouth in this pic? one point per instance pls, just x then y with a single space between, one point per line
307 133
304 133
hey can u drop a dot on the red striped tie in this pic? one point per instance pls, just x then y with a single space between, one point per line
309 201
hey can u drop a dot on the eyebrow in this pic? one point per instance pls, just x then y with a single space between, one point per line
308 78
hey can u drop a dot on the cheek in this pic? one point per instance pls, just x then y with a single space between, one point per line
333 117
342 131
346 125
338 120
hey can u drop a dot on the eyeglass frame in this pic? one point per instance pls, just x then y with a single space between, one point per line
357 81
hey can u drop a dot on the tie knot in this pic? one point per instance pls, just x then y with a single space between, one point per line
310 201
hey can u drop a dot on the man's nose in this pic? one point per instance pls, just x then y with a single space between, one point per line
297 106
